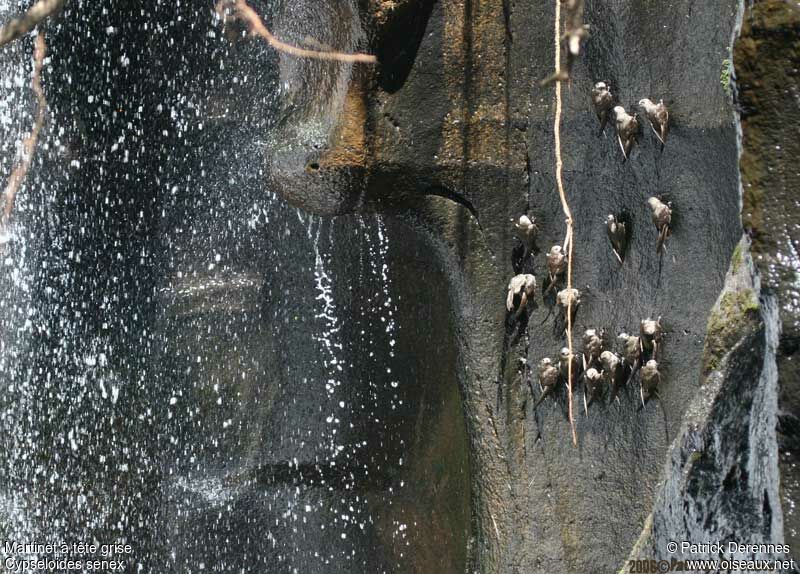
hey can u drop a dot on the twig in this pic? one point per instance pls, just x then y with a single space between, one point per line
567 214
21 25
244 12
29 145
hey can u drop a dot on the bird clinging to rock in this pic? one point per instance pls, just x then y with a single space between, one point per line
650 336
659 118
592 348
564 358
631 352
556 266
627 129
618 236
526 231
613 372
603 102
521 290
548 379
592 385
569 299
651 378
575 31
662 219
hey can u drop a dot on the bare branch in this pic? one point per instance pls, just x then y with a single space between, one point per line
22 25
243 11
29 145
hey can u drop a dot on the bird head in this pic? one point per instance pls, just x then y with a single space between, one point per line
555 250
619 111
652 364
645 103
592 374
545 363
654 203
610 220
601 87
564 355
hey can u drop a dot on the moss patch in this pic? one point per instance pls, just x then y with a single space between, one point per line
735 316
725 75
737 259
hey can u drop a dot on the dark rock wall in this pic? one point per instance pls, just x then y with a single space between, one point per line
165 268
472 120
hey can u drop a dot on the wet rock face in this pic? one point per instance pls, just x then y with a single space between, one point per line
217 378
470 123
766 59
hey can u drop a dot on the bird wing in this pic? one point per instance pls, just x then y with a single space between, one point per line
622 147
510 299
662 236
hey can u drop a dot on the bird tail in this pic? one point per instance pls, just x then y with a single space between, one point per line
662 237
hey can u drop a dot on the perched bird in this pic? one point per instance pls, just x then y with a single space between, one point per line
613 372
659 118
564 358
631 353
575 31
526 231
631 349
592 386
521 289
627 129
650 336
618 236
556 265
650 381
592 348
603 102
662 219
548 379
569 299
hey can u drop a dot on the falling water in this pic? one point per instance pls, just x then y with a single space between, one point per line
187 364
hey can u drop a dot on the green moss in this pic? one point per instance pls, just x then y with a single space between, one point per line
735 316
738 258
725 75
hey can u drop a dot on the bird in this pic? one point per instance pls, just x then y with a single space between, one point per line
603 102
564 358
631 348
627 128
569 299
613 372
592 348
659 118
617 234
527 231
631 352
556 265
521 289
548 379
650 381
662 219
593 384
650 336
575 31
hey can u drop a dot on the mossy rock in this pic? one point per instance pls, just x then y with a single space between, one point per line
736 315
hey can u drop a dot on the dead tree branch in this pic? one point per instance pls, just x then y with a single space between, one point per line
21 25
241 10
29 145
